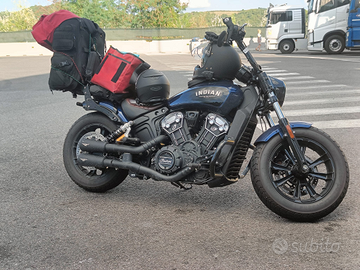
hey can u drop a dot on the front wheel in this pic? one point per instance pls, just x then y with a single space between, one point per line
300 196
334 44
95 126
287 46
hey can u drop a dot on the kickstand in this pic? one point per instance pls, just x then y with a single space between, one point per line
181 186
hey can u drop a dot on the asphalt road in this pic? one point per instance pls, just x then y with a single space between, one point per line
47 222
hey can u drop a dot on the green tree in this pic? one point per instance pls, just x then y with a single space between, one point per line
154 13
253 17
106 13
130 13
23 19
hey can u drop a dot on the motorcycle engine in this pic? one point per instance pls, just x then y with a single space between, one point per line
185 149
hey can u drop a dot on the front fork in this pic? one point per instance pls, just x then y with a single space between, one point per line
289 135
267 87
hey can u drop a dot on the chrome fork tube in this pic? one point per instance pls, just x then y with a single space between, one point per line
277 107
270 120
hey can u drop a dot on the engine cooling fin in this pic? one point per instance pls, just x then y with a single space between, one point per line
240 152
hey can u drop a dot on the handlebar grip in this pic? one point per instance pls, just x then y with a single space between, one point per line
228 22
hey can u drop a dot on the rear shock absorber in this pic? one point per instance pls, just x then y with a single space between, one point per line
120 133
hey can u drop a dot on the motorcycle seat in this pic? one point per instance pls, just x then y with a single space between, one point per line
132 109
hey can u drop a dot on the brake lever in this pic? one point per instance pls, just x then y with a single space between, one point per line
242 27
241 31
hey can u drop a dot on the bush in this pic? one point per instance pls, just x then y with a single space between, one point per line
23 19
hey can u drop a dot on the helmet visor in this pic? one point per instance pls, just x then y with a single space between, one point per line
199 51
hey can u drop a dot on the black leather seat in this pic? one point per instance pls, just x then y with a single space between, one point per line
132 109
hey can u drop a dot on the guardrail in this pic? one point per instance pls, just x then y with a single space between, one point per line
136 34
134 46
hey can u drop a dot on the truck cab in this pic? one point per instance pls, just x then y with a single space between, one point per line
327 25
353 29
285 24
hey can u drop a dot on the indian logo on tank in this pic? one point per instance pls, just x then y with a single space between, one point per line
208 93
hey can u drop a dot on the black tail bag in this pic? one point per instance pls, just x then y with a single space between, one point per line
79 46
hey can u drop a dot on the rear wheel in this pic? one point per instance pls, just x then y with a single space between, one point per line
287 46
334 44
95 126
300 196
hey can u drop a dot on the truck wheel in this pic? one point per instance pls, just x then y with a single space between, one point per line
287 46
334 44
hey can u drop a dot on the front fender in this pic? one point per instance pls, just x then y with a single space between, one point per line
271 132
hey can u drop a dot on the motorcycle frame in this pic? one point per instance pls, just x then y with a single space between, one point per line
220 160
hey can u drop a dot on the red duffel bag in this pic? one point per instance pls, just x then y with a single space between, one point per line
43 30
116 69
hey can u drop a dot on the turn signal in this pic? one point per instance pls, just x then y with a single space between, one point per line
290 132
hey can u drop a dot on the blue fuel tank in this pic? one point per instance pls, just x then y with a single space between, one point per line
220 97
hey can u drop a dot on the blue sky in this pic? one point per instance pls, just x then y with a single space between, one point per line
194 5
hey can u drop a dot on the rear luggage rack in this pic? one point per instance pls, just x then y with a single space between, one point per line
90 105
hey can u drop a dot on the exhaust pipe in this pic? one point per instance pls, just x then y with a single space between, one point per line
103 162
92 146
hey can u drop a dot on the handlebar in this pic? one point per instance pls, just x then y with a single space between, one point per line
237 34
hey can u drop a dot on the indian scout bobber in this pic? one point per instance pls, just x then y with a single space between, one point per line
202 136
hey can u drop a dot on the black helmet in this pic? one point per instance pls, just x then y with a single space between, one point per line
152 86
220 63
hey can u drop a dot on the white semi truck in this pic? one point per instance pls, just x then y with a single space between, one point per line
326 30
327 25
285 25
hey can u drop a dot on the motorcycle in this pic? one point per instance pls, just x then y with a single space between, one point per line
202 136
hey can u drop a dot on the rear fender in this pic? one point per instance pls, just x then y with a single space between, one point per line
103 107
273 131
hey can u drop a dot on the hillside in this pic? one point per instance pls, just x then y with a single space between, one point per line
253 17
119 17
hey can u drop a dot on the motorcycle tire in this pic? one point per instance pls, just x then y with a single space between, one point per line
298 196
90 178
